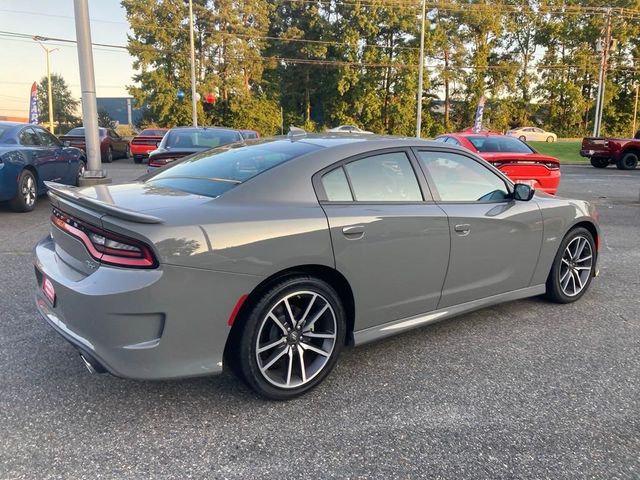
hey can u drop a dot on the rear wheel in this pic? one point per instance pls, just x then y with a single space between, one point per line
127 152
25 199
108 158
292 338
550 140
599 162
628 161
573 267
137 159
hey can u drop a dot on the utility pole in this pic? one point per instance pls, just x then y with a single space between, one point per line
635 113
194 100
606 45
49 89
94 174
420 72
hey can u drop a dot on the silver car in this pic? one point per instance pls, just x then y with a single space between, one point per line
270 258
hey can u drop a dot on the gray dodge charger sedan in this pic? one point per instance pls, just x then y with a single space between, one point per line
269 258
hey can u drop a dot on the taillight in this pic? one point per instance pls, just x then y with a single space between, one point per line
160 162
552 165
106 247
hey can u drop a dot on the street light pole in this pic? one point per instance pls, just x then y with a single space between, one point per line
194 104
420 72
94 173
49 89
602 78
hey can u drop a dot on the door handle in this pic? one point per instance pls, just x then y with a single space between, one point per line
462 229
353 232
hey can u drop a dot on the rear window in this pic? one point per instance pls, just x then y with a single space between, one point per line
495 144
153 133
213 172
2 130
200 138
79 132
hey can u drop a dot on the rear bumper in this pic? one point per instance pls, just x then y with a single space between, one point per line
595 153
142 150
170 322
548 183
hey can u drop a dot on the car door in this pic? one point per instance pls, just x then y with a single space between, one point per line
117 143
495 240
38 156
60 162
390 240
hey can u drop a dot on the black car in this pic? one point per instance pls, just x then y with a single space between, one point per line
182 141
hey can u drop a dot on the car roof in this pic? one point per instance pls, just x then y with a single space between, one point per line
329 140
199 129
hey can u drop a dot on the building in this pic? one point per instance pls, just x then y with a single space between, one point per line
118 109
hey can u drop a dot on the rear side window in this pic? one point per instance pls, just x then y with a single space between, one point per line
213 172
152 133
388 177
336 186
200 138
47 139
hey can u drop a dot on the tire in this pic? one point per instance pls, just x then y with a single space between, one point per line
127 152
550 140
571 275
628 161
27 194
82 166
108 158
276 372
599 162
522 138
137 159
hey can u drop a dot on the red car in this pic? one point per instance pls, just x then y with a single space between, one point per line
145 142
512 156
112 145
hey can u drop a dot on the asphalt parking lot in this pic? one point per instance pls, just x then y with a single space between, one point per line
526 389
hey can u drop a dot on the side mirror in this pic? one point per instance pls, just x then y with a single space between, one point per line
66 143
523 192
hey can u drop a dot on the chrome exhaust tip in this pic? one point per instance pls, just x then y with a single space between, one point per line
88 364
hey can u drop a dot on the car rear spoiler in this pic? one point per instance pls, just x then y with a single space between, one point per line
70 194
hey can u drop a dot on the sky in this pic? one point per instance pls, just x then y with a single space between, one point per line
23 61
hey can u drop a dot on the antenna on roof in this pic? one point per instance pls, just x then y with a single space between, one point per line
296 132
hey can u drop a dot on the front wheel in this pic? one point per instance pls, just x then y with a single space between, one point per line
599 162
628 161
573 267
292 338
550 140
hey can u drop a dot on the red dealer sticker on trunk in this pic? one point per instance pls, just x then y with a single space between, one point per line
49 291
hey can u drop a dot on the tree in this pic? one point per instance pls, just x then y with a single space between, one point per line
64 105
105 120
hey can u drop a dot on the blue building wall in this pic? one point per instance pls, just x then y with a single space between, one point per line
116 107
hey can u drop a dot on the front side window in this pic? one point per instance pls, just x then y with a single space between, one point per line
461 179
387 177
47 139
29 137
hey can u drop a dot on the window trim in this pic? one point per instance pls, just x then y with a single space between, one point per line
483 163
423 186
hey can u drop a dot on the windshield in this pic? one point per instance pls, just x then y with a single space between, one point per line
496 144
152 133
2 130
212 173
205 138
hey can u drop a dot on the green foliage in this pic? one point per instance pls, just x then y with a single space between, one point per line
105 120
326 63
65 106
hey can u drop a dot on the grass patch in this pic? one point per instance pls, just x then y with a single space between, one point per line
567 151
